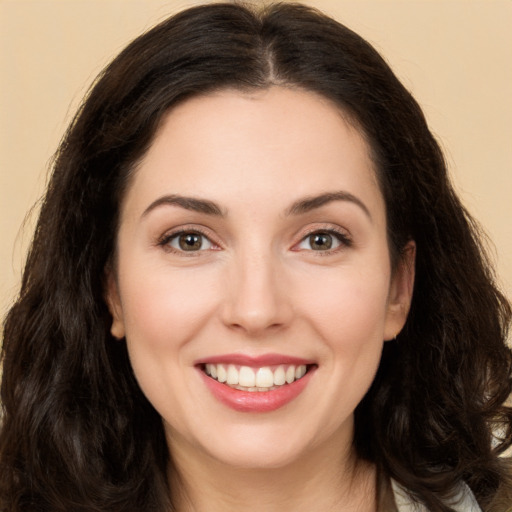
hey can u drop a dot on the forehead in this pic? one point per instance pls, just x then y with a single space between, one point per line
238 145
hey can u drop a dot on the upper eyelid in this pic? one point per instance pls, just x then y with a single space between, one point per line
192 228
325 228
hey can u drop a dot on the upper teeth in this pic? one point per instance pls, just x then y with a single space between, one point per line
260 378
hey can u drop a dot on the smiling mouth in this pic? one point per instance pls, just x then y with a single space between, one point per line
261 379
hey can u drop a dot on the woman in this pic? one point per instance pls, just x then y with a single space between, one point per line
252 286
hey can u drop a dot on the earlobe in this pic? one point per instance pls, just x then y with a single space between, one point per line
114 306
400 292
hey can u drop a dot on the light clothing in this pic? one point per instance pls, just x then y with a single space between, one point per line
463 502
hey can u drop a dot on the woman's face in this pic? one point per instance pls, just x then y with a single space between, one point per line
252 248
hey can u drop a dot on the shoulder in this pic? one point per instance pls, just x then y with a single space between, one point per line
464 501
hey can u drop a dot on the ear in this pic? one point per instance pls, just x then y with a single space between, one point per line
114 305
400 292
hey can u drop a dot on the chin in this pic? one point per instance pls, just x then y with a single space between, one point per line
267 446
259 457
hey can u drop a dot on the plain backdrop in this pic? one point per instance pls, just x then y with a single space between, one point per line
454 55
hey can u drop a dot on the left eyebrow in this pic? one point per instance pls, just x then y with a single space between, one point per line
187 203
307 204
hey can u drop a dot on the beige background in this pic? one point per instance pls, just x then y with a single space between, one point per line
454 55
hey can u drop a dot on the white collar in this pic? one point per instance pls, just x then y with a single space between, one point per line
464 501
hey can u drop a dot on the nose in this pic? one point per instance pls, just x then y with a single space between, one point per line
255 299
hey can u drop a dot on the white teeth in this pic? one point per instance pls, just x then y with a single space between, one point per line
265 378
246 377
232 376
290 374
255 379
222 374
280 376
300 371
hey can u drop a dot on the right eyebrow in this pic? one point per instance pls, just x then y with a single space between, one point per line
311 203
188 203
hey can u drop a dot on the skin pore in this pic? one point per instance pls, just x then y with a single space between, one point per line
254 227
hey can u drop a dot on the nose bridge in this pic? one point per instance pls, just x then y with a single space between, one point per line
254 299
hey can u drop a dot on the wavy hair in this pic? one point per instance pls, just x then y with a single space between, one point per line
78 434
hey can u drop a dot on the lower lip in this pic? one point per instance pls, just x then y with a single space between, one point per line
256 401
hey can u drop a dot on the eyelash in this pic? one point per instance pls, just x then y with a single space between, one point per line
344 240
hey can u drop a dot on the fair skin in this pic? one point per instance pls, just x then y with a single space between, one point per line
221 253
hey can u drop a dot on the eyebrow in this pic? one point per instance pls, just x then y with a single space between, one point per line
308 204
188 203
299 207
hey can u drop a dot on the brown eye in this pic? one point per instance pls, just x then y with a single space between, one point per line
320 241
324 241
189 242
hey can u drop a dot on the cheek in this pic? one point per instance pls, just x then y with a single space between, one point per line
349 308
164 309
349 318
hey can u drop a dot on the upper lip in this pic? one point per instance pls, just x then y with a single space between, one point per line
254 361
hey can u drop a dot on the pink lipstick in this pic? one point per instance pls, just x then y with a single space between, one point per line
255 384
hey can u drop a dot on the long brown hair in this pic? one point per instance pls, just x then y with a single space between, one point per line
78 434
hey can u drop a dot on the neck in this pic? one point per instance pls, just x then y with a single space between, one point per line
322 480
